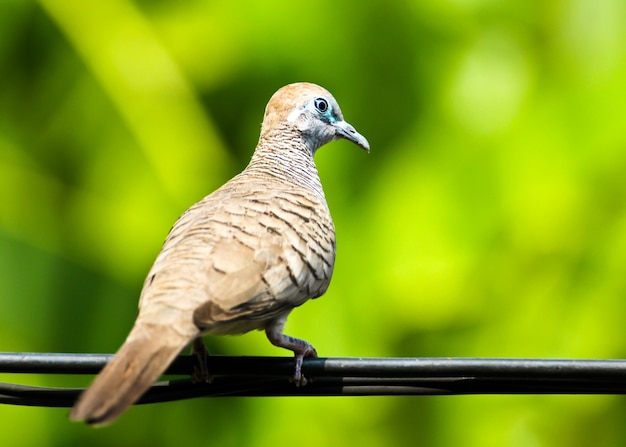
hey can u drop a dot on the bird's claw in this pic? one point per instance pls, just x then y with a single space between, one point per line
200 368
298 378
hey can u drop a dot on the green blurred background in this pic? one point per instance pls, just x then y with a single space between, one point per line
489 219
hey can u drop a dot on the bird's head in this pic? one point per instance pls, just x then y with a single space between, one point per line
312 111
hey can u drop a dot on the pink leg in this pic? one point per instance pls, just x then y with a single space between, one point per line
300 348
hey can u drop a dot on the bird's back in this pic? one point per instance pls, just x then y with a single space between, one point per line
253 249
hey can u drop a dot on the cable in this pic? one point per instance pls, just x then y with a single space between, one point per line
269 376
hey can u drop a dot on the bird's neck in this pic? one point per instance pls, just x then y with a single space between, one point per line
288 159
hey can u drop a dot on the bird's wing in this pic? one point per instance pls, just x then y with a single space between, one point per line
233 265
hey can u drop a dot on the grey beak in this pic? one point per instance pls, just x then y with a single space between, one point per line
345 130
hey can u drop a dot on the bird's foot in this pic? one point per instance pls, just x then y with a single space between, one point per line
307 351
300 348
200 369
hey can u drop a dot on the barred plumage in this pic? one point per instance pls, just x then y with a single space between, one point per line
240 259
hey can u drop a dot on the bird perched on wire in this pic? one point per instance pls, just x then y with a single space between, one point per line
240 259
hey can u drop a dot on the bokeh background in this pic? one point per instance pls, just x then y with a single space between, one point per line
488 220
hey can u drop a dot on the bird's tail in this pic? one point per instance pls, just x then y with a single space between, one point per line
140 361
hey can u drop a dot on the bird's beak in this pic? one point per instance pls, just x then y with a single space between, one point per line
345 130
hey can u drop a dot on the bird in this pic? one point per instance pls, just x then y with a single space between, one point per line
240 259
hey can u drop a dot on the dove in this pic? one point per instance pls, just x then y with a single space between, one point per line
239 260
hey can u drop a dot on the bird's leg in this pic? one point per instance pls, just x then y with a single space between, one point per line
200 368
300 348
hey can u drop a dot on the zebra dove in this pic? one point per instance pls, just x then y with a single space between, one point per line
240 259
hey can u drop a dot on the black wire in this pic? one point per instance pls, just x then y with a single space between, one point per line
269 376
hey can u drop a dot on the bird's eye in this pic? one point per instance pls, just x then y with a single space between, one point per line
321 105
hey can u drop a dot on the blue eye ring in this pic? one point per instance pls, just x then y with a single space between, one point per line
321 105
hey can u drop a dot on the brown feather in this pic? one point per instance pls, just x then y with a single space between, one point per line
240 259
136 366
